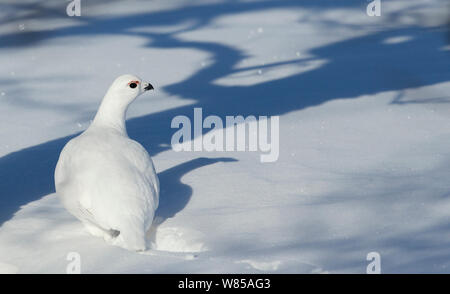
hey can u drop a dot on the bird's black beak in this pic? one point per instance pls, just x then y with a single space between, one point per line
148 87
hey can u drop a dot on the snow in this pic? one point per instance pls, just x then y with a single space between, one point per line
364 133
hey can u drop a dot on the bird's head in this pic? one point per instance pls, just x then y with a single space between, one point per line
128 87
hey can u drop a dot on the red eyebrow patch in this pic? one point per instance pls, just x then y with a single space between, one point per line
137 82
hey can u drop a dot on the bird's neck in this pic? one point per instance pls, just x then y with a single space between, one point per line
111 114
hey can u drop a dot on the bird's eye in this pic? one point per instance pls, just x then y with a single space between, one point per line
133 85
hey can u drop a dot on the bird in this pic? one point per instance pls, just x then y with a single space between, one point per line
107 180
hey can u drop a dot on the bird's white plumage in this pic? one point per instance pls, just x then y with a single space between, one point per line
108 180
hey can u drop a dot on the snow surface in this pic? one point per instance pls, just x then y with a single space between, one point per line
364 132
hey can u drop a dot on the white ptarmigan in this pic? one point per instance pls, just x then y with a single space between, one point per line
106 179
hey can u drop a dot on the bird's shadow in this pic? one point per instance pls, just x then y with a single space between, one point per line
175 195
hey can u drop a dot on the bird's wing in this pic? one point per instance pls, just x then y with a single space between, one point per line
144 163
